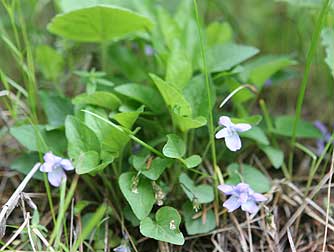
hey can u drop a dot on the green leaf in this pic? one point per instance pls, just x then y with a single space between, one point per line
327 36
250 175
203 193
196 94
98 23
256 134
179 68
186 123
198 225
25 162
253 120
165 227
69 5
156 168
49 62
261 69
142 198
112 140
144 94
86 162
218 33
173 97
193 161
224 57
175 147
127 119
56 108
80 137
276 156
37 138
284 126
100 98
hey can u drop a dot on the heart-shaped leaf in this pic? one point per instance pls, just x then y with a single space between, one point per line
203 193
165 227
98 23
139 194
153 169
175 147
199 225
192 161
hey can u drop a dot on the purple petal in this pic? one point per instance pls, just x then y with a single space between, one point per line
46 167
122 248
242 127
232 203
243 197
56 176
259 197
323 129
242 187
50 158
233 142
222 133
227 189
66 164
225 121
250 206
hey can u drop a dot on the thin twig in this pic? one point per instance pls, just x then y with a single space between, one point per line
328 202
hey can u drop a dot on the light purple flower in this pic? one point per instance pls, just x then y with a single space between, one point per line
55 167
241 196
122 248
325 136
148 50
230 132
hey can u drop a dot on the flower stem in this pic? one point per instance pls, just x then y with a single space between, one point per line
218 174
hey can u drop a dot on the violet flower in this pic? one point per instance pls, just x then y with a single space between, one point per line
148 50
122 248
241 196
55 167
325 136
230 132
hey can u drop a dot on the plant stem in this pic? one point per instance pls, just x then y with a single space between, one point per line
310 56
218 175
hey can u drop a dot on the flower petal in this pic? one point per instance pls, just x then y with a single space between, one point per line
46 167
242 127
227 189
233 142
222 133
225 121
66 164
232 203
259 197
50 158
250 206
56 176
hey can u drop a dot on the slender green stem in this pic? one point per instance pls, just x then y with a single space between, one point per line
211 127
49 195
63 205
310 56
